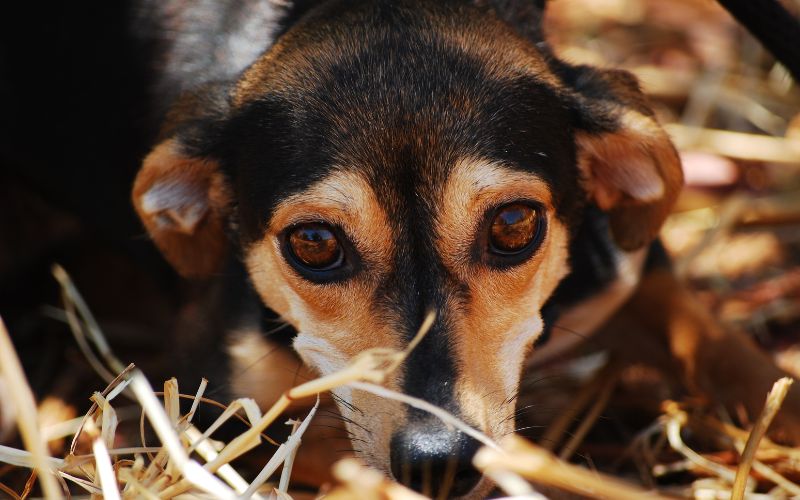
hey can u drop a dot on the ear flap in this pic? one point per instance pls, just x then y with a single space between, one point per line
630 167
183 202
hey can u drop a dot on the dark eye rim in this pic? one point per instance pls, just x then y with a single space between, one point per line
345 266
502 259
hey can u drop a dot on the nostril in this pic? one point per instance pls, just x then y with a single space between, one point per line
466 476
436 462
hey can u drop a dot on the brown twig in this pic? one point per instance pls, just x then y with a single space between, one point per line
773 404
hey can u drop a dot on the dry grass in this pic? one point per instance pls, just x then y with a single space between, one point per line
186 462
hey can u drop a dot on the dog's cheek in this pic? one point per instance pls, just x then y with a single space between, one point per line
263 265
498 329
328 340
320 354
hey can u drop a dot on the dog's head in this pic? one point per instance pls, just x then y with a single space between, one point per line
386 159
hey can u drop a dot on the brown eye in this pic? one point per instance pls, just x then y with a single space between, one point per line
513 229
316 246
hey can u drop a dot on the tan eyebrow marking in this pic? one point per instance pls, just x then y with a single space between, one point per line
346 199
492 178
474 186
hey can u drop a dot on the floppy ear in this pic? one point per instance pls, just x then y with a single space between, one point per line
183 202
629 166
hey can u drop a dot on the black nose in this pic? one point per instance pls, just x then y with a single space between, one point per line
434 461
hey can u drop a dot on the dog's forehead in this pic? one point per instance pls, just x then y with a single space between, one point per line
399 96
383 33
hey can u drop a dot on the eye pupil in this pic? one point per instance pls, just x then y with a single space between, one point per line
514 227
315 246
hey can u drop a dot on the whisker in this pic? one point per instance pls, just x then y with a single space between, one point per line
341 438
490 393
510 399
297 373
540 409
529 383
278 328
569 330
346 404
348 433
527 428
348 420
323 413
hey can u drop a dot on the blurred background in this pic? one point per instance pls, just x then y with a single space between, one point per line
734 114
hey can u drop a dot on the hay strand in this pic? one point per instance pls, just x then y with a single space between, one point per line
16 384
191 470
541 466
774 401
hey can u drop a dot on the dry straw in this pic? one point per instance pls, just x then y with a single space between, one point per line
188 463
24 404
774 400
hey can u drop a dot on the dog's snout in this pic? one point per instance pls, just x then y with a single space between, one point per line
434 461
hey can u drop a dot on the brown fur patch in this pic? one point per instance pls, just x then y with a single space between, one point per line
681 337
182 202
335 321
495 329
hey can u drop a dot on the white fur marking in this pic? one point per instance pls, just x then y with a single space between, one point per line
322 356
513 351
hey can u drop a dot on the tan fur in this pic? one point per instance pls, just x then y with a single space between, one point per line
633 173
495 329
335 321
187 221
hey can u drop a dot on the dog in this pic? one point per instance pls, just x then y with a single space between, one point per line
349 166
